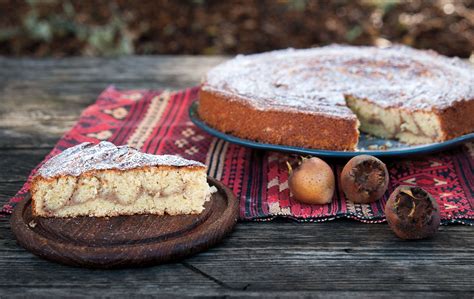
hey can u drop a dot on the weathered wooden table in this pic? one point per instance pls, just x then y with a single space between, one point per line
41 99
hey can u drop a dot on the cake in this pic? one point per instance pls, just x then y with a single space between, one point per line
321 97
107 180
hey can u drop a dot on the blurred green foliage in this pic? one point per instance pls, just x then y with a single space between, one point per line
107 39
118 27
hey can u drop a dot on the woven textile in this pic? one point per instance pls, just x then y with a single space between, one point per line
157 122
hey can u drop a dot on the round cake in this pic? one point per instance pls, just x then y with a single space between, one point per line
321 97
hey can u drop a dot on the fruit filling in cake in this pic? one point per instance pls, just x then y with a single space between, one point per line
108 180
417 127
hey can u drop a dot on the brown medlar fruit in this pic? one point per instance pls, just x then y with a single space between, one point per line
412 213
364 179
312 182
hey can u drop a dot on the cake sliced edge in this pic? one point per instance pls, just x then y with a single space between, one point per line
135 189
413 126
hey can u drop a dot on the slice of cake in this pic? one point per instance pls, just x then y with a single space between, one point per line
108 180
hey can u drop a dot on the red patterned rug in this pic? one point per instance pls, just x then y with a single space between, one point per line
157 122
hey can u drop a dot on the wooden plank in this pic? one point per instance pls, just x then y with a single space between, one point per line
8 189
53 92
15 165
61 75
341 256
273 258
29 275
190 290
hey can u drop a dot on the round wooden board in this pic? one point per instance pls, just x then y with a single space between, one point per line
122 241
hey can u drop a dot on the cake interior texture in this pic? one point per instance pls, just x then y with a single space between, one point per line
107 180
393 123
414 127
150 190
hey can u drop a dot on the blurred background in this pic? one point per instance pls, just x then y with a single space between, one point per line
107 28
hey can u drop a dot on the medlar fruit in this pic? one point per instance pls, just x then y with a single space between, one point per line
312 182
364 179
412 213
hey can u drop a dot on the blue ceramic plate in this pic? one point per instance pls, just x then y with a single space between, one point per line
367 144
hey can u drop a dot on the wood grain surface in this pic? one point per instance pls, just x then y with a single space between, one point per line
117 242
41 99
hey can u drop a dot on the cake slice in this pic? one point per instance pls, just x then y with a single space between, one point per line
107 180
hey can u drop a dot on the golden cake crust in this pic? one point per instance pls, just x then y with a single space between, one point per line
276 127
457 119
300 97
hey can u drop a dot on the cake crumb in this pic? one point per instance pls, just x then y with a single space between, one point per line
373 147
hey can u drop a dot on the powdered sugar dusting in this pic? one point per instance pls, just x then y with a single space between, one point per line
105 155
316 80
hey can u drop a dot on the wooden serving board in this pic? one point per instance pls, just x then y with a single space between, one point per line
140 240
